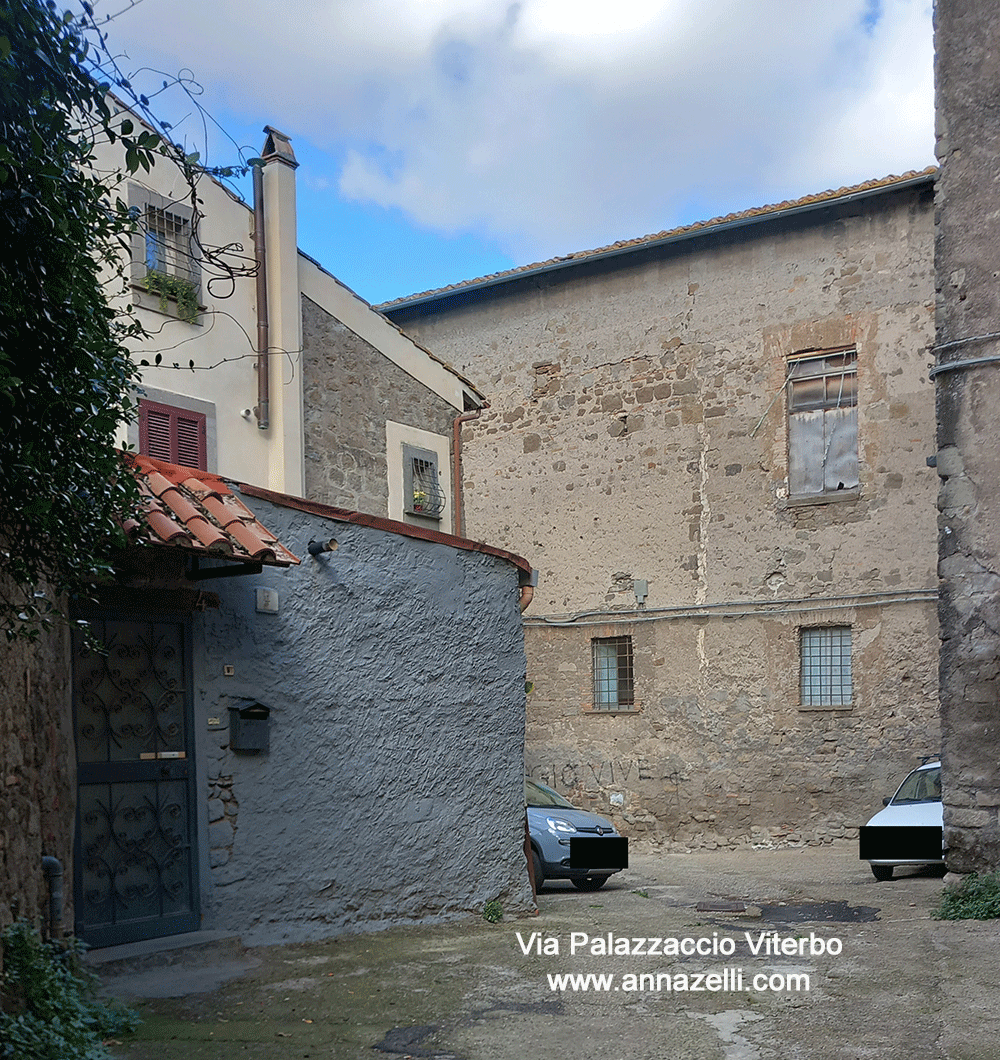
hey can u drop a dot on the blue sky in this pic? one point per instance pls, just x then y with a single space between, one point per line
441 140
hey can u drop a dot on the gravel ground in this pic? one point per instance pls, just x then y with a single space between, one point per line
844 967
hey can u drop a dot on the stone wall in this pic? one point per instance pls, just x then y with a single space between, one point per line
638 432
37 771
720 750
350 391
967 264
392 790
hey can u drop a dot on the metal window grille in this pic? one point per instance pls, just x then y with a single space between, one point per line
613 673
825 674
823 423
427 497
168 242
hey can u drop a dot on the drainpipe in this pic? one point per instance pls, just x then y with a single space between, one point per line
528 591
52 867
263 409
456 462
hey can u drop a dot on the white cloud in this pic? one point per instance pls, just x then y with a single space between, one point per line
554 125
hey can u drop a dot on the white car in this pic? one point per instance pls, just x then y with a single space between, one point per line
910 830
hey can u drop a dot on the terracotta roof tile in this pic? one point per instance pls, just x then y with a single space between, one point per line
199 513
672 233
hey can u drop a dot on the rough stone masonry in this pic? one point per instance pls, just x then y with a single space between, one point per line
637 449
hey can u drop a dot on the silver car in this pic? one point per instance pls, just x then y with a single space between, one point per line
910 830
571 844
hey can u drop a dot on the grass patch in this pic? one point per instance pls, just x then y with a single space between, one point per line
977 897
493 911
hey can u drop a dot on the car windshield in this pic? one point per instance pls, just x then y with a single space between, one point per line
537 795
922 785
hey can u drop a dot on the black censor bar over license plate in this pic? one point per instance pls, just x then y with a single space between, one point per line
907 844
591 852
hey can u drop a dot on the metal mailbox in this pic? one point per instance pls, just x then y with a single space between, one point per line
250 728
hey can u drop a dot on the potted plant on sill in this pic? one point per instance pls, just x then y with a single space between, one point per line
179 288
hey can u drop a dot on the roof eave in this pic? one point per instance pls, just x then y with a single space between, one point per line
721 227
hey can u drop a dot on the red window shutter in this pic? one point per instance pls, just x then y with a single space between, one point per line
157 433
172 434
191 440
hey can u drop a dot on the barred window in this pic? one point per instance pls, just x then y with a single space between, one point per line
168 242
422 493
825 674
613 673
164 253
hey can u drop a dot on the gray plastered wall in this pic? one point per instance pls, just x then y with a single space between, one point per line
638 431
392 789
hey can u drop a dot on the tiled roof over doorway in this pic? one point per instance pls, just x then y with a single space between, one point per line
199 513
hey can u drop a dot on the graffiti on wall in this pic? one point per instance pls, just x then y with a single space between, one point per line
593 775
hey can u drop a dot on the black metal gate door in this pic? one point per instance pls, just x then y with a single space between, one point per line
135 866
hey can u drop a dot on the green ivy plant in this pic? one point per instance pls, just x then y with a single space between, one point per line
66 376
976 897
183 291
49 1012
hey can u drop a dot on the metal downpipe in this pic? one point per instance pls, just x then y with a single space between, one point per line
52 867
456 463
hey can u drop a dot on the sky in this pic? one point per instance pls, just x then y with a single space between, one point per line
442 140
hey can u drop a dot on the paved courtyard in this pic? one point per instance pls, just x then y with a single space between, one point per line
794 953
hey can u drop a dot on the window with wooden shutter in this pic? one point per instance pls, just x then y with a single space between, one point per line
172 434
823 423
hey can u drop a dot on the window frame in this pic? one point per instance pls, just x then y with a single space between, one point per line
823 666
174 414
436 499
830 420
618 697
142 200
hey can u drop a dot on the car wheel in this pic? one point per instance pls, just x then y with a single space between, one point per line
882 872
536 864
590 883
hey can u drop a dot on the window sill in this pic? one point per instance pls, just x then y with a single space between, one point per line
807 709
146 300
601 711
803 500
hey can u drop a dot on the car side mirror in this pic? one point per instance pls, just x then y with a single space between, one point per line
887 800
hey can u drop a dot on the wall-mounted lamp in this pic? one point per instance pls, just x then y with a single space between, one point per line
316 548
